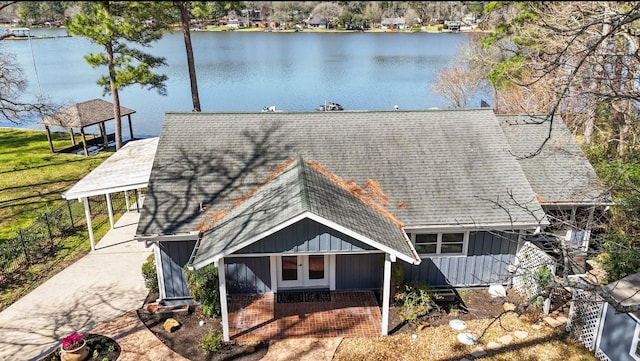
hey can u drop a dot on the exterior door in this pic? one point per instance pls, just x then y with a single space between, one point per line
303 271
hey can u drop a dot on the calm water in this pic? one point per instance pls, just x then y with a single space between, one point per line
247 71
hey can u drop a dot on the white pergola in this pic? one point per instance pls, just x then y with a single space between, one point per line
127 169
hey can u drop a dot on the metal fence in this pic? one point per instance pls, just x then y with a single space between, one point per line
42 239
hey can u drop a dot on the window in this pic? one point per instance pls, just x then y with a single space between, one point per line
635 345
440 243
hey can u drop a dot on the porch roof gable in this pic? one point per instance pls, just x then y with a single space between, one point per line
300 190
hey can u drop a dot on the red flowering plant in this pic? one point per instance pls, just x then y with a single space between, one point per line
72 342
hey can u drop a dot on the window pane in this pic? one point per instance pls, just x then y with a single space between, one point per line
289 268
451 248
425 248
316 267
426 238
452 237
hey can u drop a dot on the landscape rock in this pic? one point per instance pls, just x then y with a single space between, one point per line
492 345
171 325
506 339
478 352
521 334
508 306
553 322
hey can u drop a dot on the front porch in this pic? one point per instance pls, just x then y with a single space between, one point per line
261 317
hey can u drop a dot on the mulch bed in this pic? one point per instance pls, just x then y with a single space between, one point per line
185 341
472 304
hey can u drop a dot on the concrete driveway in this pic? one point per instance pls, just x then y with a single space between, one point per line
101 286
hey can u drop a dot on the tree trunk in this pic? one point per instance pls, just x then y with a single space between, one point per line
185 21
116 97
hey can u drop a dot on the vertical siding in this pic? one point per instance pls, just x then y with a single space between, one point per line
488 256
617 335
175 256
304 237
247 275
359 271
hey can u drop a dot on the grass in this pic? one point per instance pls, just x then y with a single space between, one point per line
440 343
31 179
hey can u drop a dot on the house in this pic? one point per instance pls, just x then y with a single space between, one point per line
232 20
317 22
331 200
393 23
611 335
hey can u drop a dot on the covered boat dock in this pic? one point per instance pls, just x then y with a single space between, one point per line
83 115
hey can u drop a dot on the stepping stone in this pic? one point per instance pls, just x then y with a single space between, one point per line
464 359
493 345
561 319
478 352
521 334
507 306
536 327
506 339
552 322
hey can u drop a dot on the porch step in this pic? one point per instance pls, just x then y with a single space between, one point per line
446 294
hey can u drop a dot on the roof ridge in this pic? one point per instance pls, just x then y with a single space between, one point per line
304 184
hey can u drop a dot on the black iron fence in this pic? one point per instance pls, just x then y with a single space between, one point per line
42 239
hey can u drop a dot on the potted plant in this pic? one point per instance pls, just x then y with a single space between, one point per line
74 348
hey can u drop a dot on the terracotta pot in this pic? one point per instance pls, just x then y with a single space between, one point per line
77 354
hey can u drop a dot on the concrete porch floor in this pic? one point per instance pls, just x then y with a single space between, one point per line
261 317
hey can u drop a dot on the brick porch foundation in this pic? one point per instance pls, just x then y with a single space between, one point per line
261 318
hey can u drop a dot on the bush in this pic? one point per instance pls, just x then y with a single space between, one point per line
150 275
212 341
416 300
203 285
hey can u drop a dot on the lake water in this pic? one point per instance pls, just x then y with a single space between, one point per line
245 71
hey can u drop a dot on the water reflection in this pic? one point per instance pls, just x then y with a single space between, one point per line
239 71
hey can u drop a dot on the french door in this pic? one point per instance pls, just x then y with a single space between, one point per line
303 271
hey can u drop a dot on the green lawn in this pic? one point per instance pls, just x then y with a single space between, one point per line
32 178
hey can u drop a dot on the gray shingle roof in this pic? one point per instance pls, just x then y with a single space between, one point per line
296 190
84 114
439 168
560 172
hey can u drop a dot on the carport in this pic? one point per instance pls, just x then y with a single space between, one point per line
126 170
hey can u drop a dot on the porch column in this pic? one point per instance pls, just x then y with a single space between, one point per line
386 290
87 214
126 200
223 300
130 127
49 138
109 209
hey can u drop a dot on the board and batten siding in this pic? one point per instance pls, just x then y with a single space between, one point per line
175 255
306 236
359 271
617 335
248 275
488 257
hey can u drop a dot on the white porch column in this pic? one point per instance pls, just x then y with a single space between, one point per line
386 290
126 200
87 215
223 300
109 209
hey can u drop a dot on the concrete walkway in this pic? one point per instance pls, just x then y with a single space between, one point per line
103 285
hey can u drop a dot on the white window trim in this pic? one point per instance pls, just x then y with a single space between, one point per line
465 244
634 343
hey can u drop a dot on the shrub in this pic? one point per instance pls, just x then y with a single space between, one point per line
150 275
416 301
212 341
203 285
